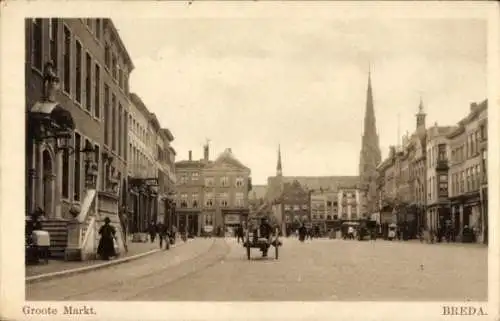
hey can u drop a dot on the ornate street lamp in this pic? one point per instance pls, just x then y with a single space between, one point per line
91 170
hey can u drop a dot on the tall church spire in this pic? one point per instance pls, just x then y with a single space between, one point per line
370 155
279 170
369 123
421 116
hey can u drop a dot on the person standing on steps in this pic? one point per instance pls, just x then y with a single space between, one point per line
106 248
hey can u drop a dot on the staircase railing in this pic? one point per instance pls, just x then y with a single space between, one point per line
81 228
89 232
87 206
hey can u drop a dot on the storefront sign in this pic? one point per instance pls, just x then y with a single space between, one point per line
232 219
208 228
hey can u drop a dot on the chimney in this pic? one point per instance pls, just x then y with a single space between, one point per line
473 107
190 155
205 153
229 150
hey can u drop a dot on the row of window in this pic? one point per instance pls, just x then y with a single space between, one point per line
436 154
87 78
290 218
95 26
162 154
114 114
468 180
419 193
210 195
141 132
225 181
194 203
323 209
437 188
295 207
116 68
470 148
86 73
140 163
192 200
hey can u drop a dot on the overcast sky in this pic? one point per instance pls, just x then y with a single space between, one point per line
251 84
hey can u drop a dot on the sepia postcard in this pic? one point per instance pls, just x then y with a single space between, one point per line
249 160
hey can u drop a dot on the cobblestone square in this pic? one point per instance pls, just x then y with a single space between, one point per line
319 270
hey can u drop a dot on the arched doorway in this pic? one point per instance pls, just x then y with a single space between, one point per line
48 181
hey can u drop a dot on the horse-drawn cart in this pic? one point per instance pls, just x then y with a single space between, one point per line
254 239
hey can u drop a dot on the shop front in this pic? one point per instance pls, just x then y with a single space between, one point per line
143 200
471 210
456 214
188 221
232 219
412 220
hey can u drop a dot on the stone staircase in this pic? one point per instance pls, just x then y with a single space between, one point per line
78 239
58 236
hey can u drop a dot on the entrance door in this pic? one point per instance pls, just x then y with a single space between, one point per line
456 218
193 224
182 222
48 180
467 213
189 218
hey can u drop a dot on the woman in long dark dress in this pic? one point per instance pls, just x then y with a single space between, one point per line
106 247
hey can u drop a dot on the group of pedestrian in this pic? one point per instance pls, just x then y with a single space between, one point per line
446 233
165 235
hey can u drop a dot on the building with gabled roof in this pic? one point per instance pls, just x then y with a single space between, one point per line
212 196
289 205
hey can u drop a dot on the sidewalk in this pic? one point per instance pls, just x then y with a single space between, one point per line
135 251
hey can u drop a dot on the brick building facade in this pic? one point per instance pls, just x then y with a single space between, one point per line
77 49
468 172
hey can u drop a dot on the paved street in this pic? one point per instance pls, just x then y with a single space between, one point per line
217 270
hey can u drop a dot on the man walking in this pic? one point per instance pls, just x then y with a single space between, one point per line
239 233
162 234
152 231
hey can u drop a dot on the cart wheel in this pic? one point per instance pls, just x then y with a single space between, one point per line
248 252
276 251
